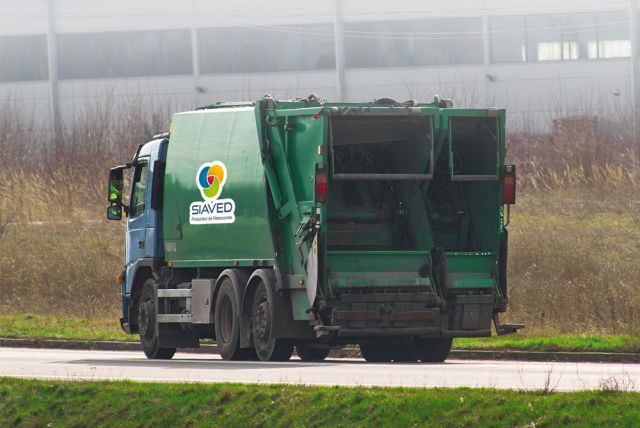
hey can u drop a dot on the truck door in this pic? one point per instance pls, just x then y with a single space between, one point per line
137 218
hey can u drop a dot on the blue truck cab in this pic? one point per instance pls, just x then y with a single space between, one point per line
143 247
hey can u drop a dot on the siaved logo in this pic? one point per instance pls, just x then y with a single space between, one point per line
210 179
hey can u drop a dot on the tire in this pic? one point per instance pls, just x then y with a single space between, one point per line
268 348
309 353
404 354
432 350
376 353
227 322
147 325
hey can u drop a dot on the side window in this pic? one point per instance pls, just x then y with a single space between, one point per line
138 190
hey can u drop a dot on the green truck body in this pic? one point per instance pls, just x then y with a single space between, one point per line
276 224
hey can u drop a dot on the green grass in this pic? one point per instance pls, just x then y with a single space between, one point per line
49 403
60 327
570 343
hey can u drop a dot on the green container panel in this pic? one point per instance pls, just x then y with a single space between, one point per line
471 270
228 136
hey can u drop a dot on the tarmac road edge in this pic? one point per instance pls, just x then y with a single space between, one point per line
459 354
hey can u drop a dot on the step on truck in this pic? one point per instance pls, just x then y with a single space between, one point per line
273 225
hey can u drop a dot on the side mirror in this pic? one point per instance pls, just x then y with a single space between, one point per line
116 185
114 212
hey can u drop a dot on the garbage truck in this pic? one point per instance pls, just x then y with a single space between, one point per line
273 225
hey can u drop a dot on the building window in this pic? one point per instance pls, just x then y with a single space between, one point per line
124 54
613 36
559 37
508 42
23 58
379 44
555 51
405 43
610 49
252 50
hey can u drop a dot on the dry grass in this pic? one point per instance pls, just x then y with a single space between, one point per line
574 243
573 262
63 255
575 234
60 255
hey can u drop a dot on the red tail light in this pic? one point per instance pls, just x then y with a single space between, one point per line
321 186
509 185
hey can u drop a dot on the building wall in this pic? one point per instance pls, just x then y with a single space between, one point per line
538 59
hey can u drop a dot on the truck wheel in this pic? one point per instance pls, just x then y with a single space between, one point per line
147 325
432 350
227 322
267 346
376 353
404 354
310 353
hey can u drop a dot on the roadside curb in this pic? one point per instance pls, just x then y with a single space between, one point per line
459 354
97 345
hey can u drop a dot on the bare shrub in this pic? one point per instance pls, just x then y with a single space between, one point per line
585 149
624 383
62 255
20 141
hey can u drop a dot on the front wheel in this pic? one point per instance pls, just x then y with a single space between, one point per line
147 325
432 349
268 347
227 322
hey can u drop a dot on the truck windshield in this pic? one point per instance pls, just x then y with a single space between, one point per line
138 190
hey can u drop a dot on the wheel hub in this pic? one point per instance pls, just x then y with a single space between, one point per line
226 320
261 323
146 319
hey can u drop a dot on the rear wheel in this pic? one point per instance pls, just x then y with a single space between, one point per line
432 350
404 354
376 353
227 322
310 353
147 325
267 346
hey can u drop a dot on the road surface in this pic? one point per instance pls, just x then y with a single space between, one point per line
110 365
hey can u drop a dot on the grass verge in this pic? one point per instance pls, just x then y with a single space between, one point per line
61 327
54 403
559 343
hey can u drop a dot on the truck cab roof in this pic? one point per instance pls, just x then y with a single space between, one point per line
146 149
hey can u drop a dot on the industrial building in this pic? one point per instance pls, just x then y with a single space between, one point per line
538 59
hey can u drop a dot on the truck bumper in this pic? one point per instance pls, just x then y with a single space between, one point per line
389 332
393 314
398 313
